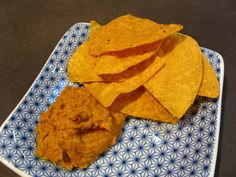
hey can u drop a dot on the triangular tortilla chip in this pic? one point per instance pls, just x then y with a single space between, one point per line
128 31
209 86
117 62
140 103
176 85
106 93
81 65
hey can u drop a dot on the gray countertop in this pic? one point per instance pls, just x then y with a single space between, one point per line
29 31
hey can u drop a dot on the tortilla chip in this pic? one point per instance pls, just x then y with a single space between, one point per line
176 85
81 65
106 93
140 103
127 32
94 26
209 86
116 62
130 72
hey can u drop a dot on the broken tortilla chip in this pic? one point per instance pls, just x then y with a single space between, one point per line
209 86
106 92
176 85
140 103
128 31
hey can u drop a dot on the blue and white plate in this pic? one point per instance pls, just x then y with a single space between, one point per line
145 148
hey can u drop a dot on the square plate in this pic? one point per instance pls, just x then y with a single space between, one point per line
145 148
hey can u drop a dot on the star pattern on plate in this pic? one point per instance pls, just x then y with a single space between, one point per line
145 148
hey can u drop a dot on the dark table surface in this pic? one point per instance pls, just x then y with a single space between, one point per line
29 31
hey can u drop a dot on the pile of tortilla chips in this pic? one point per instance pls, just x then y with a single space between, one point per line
142 68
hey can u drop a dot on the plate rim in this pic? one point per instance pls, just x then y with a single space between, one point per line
215 152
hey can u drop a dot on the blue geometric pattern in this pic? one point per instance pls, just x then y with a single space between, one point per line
145 148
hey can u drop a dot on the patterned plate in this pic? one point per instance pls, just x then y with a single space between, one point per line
145 148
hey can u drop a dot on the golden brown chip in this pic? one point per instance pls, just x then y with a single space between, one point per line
116 62
176 85
209 86
130 72
81 65
140 103
127 32
106 93
94 26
